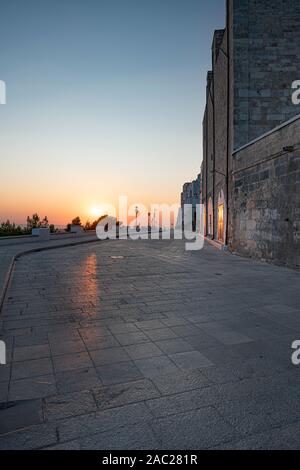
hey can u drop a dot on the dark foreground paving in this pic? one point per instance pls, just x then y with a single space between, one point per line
138 345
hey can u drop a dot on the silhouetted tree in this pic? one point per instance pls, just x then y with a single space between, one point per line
8 229
76 221
11 229
36 222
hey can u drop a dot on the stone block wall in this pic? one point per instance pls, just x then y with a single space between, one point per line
220 66
265 212
249 93
266 61
215 130
208 146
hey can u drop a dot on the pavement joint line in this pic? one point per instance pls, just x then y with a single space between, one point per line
24 253
7 279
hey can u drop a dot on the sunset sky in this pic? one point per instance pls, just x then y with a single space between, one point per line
104 98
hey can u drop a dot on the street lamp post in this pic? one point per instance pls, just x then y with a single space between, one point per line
136 216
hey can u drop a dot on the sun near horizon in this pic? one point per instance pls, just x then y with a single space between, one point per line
97 105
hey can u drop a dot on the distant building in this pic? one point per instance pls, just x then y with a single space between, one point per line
251 128
191 195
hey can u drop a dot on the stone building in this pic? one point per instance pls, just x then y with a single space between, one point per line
191 195
250 143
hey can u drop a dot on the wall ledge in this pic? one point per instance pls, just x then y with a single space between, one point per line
263 136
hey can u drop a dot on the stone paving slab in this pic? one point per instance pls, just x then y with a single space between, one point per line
12 246
142 345
20 414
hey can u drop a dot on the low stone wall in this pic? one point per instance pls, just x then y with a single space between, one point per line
265 206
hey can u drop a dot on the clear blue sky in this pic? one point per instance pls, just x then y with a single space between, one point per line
104 97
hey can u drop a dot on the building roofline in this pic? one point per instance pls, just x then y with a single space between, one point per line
272 131
218 32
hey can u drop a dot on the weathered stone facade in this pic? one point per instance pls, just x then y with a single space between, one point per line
265 215
249 92
191 194
216 138
266 58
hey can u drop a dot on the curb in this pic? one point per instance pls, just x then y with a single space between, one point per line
217 245
21 254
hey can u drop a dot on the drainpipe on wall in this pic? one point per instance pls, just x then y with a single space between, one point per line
214 169
214 148
228 123
206 169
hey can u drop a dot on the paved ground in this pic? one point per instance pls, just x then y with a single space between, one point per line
143 345
10 247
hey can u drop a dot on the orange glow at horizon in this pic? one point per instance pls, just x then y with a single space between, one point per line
65 202
65 188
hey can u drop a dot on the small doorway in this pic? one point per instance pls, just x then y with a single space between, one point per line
221 223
